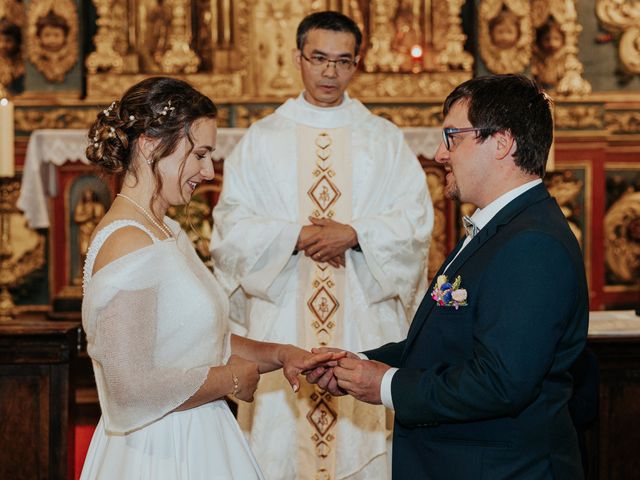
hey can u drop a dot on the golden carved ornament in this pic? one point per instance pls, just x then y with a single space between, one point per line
29 119
245 116
454 56
13 10
411 116
566 189
622 122
380 57
109 35
180 58
22 250
504 36
106 87
223 116
242 53
556 64
273 27
622 237
630 49
11 22
618 15
52 37
409 85
578 116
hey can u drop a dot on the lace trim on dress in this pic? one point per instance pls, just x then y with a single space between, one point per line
99 240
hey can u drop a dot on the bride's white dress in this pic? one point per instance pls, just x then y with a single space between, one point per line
156 320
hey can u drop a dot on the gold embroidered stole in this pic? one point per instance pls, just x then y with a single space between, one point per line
324 191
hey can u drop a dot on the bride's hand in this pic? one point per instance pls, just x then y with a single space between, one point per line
296 361
247 374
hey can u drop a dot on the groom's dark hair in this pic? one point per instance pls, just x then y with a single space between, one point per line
513 103
328 20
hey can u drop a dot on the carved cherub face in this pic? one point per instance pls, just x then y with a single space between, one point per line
504 30
7 46
552 40
52 38
10 39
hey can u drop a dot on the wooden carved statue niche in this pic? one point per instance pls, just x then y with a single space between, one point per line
555 64
505 35
11 62
52 37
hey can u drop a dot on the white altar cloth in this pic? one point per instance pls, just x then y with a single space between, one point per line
614 323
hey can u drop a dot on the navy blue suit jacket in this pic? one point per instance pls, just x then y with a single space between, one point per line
482 391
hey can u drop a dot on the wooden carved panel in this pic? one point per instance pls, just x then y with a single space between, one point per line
571 186
52 37
622 228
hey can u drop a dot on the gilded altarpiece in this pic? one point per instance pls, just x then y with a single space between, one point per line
419 54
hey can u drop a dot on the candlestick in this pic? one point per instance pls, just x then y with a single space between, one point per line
6 138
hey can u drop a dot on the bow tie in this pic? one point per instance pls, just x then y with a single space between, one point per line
469 226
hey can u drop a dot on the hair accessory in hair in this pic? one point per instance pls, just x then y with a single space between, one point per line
107 111
132 118
167 109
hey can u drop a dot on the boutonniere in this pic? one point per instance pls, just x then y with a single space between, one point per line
448 294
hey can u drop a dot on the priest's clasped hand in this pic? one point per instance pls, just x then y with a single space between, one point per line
359 378
326 240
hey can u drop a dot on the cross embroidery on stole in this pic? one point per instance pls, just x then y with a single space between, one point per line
324 191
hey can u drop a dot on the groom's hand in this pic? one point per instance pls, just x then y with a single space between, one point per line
361 378
296 361
323 376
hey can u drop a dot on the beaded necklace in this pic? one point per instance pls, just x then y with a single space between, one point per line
162 227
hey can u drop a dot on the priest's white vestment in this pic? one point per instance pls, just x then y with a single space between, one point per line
346 164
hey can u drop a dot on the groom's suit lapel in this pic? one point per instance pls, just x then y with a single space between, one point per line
504 216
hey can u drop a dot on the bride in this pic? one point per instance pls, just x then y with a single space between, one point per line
155 317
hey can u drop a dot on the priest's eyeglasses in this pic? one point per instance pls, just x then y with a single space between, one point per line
322 63
448 132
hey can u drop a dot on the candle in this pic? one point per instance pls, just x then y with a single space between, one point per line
416 56
6 138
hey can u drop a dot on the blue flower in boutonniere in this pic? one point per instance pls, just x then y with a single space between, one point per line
449 294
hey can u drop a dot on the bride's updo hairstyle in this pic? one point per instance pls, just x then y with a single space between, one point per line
160 108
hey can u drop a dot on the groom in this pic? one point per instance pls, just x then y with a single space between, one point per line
481 383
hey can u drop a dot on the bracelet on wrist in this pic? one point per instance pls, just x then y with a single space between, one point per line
236 383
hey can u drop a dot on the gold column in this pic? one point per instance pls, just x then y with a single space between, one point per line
8 190
180 58
105 57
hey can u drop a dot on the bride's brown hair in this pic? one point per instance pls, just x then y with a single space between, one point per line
160 108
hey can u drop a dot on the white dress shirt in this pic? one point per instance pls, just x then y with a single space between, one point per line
480 217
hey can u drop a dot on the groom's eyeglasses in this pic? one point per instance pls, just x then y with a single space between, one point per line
448 132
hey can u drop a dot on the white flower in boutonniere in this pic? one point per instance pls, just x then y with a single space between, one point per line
449 294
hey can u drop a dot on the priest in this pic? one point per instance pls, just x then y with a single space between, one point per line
321 237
